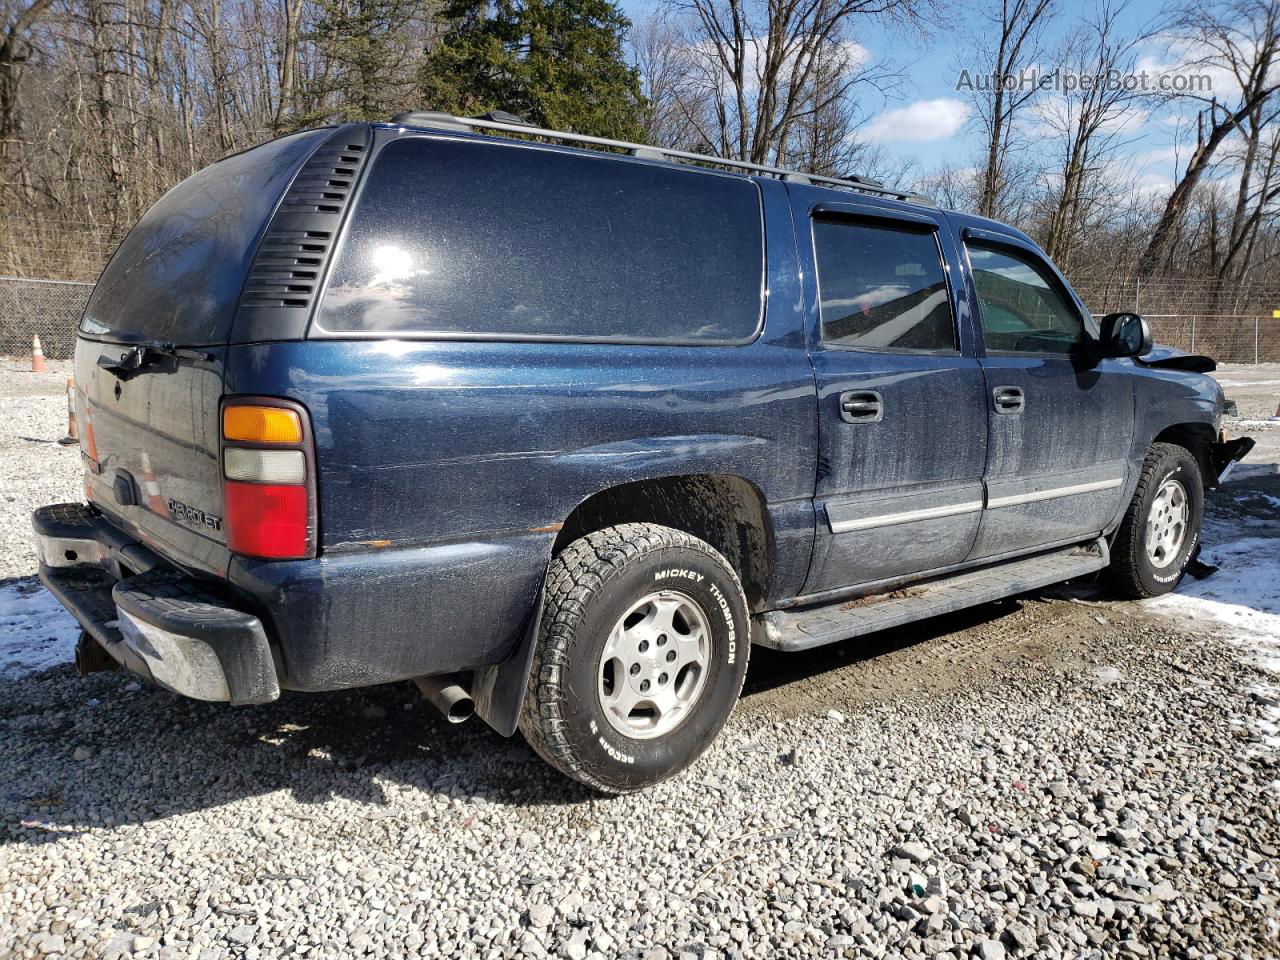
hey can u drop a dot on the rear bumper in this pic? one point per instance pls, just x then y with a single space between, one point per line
150 617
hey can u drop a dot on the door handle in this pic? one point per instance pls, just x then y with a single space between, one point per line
1009 399
861 406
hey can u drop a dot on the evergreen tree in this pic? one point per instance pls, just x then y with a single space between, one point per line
556 63
365 54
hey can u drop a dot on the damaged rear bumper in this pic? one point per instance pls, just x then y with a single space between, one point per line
150 617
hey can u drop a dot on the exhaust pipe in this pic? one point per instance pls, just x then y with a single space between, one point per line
91 658
447 695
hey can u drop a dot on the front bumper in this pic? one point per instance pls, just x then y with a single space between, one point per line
150 617
1225 454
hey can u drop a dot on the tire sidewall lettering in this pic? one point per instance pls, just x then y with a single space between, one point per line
700 579
1195 496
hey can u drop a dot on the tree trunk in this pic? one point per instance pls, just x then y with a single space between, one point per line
13 56
288 56
1176 206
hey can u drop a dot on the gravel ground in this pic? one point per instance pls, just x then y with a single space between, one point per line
34 469
1254 387
1059 775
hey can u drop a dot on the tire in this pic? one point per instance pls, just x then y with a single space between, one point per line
1134 571
611 592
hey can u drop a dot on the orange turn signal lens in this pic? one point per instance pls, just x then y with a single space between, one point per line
261 424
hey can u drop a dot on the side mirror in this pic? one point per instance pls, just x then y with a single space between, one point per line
1125 335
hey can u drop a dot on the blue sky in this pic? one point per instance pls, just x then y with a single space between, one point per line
928 120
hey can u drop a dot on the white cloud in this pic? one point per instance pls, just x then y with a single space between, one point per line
1170 56
1163 156
920 121
1153 185
1152 170
855 56
1128 121
1053 114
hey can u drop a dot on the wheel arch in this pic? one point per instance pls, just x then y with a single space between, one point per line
726 510
1198 438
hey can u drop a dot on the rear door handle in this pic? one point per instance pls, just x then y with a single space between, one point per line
1009 399
861 406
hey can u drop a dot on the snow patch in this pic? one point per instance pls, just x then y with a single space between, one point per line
1248 495
1243 595
35 632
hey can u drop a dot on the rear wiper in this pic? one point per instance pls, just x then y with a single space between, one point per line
155 356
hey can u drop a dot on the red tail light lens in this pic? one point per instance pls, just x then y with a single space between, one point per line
268 479
267 520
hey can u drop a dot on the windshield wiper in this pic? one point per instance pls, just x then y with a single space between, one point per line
155 356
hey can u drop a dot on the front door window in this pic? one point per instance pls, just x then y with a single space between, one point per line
1021 308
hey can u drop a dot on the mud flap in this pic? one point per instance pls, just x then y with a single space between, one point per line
498 691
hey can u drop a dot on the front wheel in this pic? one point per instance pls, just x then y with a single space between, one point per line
1161 528
640 658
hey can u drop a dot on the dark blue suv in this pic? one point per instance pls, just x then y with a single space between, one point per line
559 433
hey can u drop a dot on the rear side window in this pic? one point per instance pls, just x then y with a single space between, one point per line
177 275
459 238
882 287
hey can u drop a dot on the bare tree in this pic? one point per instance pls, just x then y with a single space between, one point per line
1007 42
950 186
292 10
1256 198
15 51
824 138
1089 123
105 104
664 62
1241 38
760 67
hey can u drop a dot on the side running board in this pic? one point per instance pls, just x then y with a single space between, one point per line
815 626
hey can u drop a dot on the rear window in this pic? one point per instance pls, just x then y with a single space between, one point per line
459 238
177 275
882 287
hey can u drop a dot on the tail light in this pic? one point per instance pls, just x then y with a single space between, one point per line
268 479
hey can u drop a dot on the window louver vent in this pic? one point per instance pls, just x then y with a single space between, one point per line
287 268
289 264
325 182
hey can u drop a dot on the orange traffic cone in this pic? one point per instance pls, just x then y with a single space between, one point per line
73 431
37 355
151 490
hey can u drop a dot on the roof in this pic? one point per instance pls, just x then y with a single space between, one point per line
507 123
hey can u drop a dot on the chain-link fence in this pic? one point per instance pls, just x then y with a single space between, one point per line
1232 323
49 309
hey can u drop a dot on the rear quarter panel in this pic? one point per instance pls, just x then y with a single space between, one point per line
446 468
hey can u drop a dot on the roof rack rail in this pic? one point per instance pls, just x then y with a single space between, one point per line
514 124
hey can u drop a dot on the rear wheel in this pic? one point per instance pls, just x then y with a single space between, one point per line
1161 528
641 656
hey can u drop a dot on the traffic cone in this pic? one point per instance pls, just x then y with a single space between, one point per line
151 490
73 430
37 355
